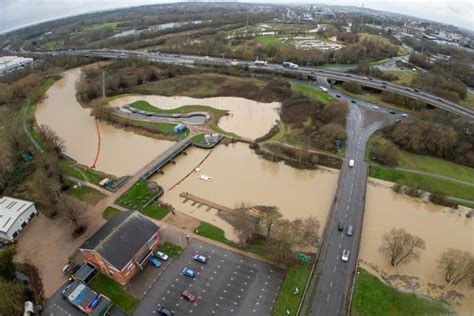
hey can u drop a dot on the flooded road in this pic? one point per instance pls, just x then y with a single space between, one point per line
440 227
121 152
247 118
238 175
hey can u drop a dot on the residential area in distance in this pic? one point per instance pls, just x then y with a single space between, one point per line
227 158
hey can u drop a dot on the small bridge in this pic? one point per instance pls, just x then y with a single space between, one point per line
164 158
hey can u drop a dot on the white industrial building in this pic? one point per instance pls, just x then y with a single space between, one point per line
15 214
12 63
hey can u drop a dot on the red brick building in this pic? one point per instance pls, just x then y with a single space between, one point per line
122 246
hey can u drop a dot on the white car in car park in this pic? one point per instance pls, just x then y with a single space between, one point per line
161 255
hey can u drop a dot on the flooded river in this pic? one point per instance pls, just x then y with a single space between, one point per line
440 227
237 175
121 152
247 118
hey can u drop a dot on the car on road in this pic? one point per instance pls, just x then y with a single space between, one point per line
404 115
353 101
154 261
349 231
351 163
348 75
340 226
345 255
338 96
188 272
161 255
439 99
393 112
384 82
161 310
374 107
200 258
188 296
416 90
370 78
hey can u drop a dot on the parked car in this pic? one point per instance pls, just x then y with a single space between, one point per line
374 107
338 96
161 310
345 255
404 115
393 112
154 261
340 226
188 272
188 296
353 101
68 267
200 258
349 231
161 255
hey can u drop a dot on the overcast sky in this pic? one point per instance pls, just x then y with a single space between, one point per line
16 13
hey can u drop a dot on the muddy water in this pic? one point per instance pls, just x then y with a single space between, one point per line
239 176
121 152
247 118
440 227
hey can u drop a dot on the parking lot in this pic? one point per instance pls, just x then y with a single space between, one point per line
229 284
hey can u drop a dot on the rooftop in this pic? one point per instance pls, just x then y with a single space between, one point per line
119 240
10 210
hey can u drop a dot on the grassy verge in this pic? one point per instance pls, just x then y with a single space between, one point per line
468 101
86 194
109 212
423 182
82 172
313 93
113 290
146 106
213 232
170 249
156 211
137 196
373 297
296 277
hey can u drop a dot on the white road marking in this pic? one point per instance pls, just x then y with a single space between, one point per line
346 215
340 245
348 206
335 268
330 284
327 300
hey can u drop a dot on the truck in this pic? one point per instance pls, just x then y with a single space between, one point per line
85 299
260 63
287 64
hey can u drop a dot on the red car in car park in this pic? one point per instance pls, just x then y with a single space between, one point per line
188 296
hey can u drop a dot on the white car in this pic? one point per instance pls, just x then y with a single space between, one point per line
345 255
351 163
404 115
374 107
161 255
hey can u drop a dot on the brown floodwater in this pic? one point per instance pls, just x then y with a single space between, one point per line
121 152
238 175
440 227
247 118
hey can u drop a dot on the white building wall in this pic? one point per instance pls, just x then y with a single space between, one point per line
18 225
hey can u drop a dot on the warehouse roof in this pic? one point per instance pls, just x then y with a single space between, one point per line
10 210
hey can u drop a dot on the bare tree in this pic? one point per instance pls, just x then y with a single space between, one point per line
51 139
6 167
401 246
73 213
269 216
457 265
309 231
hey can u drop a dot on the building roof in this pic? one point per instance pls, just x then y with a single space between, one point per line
118 240
10 210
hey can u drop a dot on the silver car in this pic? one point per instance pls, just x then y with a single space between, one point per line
345 255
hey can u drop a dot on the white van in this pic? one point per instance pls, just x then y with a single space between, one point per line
351 163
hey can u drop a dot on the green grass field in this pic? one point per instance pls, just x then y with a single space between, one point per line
213 232
109 212
156 211
53 45
373 298
86 194
137 196
313 93
100 26
266 40
82 172
113 290
469 101
296 276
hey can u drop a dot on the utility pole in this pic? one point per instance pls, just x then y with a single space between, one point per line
103 83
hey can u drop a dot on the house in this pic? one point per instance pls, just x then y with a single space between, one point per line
122 246
15 214
180 128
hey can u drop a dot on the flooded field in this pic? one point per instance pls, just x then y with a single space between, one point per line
121 152
237 175
440 227
247 118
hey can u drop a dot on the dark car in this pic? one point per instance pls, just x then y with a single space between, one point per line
338 96
353 101
161 310
416 90
188 296
393 112
340 226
